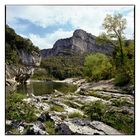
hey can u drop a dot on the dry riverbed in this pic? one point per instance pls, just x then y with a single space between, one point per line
92 109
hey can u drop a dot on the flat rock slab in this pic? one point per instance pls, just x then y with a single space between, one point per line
82 127
105 128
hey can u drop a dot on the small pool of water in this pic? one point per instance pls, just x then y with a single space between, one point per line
43 87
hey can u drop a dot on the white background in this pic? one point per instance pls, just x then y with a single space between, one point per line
2 67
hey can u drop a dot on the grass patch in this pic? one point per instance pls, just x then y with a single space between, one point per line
121 102
50 127
75 115
57 108
119 119
18 110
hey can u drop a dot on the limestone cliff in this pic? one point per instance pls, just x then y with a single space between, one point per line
81 42
21 58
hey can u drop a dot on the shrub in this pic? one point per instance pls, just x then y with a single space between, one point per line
119 120
121 79
57 108
95 110
125 74
97 67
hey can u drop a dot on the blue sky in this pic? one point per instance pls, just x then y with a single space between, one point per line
46 24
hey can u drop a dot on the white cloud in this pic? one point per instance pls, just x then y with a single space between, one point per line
89 18
38 41
130 25
49 39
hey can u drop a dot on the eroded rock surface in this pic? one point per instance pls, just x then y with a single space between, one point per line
81 127
81 42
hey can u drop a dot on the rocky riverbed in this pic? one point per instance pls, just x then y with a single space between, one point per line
92 109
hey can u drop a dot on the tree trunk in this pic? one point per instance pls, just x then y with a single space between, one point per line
121 51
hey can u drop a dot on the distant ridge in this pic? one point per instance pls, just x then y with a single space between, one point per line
81 42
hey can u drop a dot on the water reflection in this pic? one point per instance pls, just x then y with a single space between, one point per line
39 88
45 88
26 89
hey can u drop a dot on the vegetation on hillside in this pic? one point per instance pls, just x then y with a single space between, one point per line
14 43
61 67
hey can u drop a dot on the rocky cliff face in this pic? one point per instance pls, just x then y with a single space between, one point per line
21 58
29 59
81 42
18 74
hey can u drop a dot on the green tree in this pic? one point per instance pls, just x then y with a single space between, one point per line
125 74
97 67
114 26
124 50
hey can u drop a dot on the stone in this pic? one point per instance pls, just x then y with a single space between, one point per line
70 128
21 129
16 124
8 122
105 128
82 127
37 128
81 42
44 117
